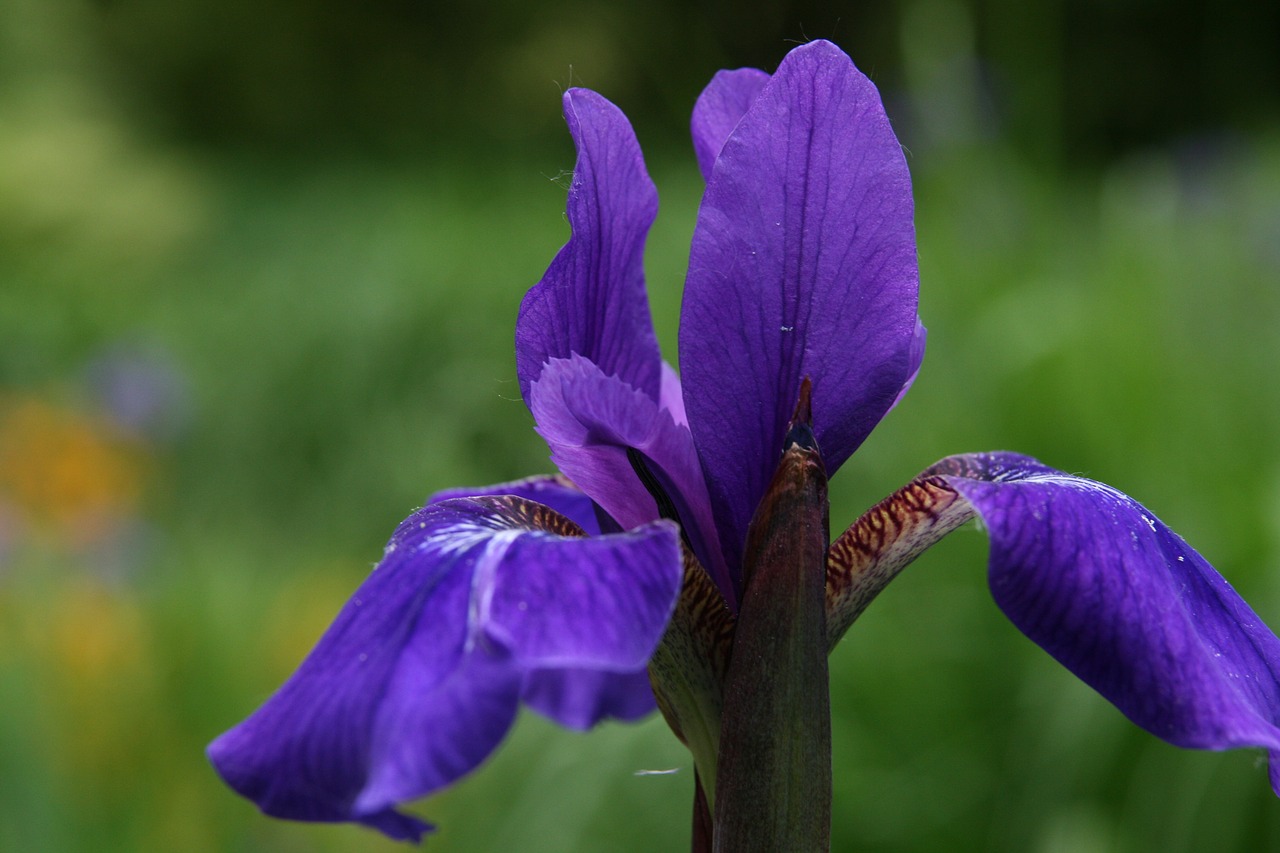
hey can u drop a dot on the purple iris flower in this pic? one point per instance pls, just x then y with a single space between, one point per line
591 594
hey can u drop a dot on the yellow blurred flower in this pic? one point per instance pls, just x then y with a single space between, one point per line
66 475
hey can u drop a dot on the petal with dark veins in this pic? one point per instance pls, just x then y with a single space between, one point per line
803 264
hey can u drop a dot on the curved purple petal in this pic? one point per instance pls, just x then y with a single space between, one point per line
803 264
590 420
592 301
420 676
1118 598
553 490
719 109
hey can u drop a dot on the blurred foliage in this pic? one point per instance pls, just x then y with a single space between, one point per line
239 341
1071 81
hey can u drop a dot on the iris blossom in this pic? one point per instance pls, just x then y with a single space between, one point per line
627 580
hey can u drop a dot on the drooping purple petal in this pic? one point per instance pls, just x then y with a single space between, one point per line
589 420
599 606
425 739
578 698
1118 598
720 107
803 264
553 490
592 301
420 676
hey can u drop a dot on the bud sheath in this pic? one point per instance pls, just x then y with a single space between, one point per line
774 770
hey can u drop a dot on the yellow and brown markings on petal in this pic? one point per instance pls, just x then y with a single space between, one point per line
687 670
883 542
522 513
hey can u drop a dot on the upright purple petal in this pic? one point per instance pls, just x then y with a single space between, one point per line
591 420
719 109
1118 598
803 264
591 301
420 676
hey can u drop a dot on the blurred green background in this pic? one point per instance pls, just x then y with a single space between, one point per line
259 268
